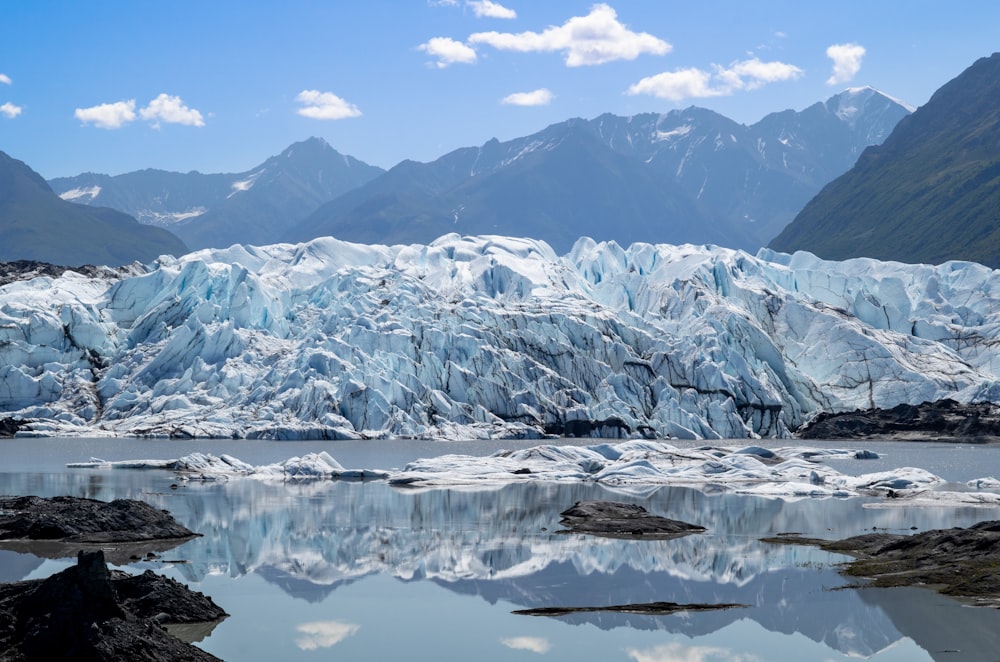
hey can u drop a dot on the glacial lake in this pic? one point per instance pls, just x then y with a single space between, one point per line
366 571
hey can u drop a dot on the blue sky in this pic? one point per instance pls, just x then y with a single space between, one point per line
218 85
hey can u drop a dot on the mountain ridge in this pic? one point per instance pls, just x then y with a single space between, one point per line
927 194
741 183
35 224
220 209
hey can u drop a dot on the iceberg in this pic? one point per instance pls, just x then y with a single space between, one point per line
489 337
785 473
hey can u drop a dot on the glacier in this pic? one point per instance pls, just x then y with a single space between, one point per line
489 337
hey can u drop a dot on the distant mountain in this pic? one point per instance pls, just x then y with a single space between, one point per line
686 176
218 210
35 224
930 193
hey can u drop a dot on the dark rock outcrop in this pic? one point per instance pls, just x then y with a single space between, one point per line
942 420
958 562
78 520
60 526
647 608
88 613
622 520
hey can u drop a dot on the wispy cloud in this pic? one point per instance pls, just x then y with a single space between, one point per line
9 110
172 110
325 106
846 62
540 97
108 115
488 9
596 38
448 51
696 83
5 79
323 634
534 644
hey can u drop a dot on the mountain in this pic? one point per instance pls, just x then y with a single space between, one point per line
474 337
929 193
556 186
686 176
218 210
35 224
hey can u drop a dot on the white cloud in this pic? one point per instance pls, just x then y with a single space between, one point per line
752 74
540 97
108 115
677 85
595 38
721 81
325 106
170 109
323 634
448 51
846 62
5 79
538 645
9 110
489 9
676 652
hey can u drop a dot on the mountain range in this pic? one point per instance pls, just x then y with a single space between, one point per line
929 193
685 176
35 224
252 207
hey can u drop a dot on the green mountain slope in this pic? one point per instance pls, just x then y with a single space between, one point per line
929 193
35 224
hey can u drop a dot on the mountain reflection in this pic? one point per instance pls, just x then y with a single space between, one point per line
501 545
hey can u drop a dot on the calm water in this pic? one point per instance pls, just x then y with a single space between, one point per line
313 571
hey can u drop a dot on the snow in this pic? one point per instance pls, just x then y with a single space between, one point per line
480 337
679 132
246 184
84 194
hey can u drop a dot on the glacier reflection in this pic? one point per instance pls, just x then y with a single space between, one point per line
501 545
316 541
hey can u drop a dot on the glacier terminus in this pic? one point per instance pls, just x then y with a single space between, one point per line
488 337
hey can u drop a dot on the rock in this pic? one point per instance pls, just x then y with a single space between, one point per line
9 426
622 520
942 420
58 527
958 562
647 608
80 614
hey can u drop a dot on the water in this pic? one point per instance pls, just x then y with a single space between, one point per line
366 571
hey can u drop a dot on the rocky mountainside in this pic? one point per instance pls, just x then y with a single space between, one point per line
688 176
218 210
929 193
35 224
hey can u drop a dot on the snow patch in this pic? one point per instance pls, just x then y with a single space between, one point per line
84 194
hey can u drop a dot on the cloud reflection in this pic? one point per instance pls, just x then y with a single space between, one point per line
675 652
323 634
538 645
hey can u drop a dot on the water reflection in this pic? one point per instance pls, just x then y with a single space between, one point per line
311 540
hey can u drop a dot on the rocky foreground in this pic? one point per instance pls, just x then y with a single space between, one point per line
958 562
87 612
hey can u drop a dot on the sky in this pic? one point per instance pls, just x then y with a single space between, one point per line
219 86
